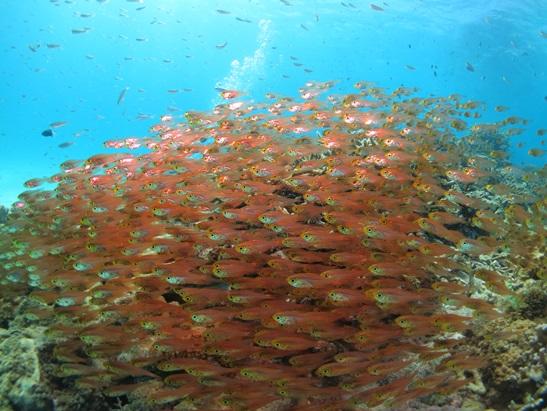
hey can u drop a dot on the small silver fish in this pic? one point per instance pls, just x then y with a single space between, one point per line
57 124
81 31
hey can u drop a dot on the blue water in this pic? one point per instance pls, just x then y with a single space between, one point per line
427 44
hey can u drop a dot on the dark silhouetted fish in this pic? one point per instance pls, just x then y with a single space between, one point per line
81 31
121 97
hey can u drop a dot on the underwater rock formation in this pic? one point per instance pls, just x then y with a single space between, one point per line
20 374
3 214
325 254
516 370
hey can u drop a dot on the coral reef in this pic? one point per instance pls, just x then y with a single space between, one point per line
517 361
20 374
3 214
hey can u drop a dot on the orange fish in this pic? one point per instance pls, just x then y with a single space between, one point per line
227 94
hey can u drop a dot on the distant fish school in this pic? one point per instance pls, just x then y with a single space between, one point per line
316 252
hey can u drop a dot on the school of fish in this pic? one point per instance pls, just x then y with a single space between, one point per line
315 252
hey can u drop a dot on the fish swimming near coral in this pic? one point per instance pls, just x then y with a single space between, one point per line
310 250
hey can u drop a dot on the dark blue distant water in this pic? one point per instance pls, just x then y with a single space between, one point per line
170 54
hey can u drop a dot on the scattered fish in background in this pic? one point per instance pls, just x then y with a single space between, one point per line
57 124
501 109
47 133
469 67
81 30
536 152
121 96
84 15
65 144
